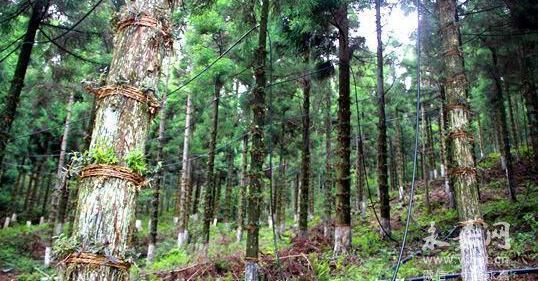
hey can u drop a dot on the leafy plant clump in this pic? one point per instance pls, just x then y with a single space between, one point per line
136 161
103 154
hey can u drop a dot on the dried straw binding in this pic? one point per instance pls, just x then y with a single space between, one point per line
100 170
90 258
128 92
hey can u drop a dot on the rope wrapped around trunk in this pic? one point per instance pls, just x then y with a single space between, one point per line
101 170
90 258
148 21
128 92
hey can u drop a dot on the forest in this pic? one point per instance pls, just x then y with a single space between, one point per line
268 140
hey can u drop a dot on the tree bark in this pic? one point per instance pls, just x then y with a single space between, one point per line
210 173
425 158
11 102
154 218
399 155
328 175
343 231
496 101
58 204
185 185
243 186
382 134
228 210
462 167
305 160
106 205
254 192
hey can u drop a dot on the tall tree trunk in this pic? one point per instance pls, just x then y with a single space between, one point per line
209 195
443 153
515 136
45 196
185 185
11 102
382 134
254 192
243 186
106 205
360 178
228 211
462 170
496 100
480 136
425 158
328 175
305 159
399 155
296 198
35 187
58 202
154 218
343 231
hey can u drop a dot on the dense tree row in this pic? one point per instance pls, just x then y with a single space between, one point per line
236 111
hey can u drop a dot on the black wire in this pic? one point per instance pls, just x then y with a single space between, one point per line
216 60
68 51
12 43
10 53
69 29
416 145
16 13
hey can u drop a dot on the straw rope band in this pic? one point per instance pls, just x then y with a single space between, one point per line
457 106
147 21
250 259
128 92
461 171
477 221
460 134
453 52
90 258
100 170
459 77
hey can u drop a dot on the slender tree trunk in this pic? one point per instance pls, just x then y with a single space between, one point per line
243 186
11 101
154 219
425 158
196 199
58 204
228 211
46 195
480 136
496 100
296 198
343 231
443 153
305 160
382 134
185 186
399 155
106 205
254 192
328 175
430 150
210 173
19 185
38 176
28 191
462 167
516 139
360 178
